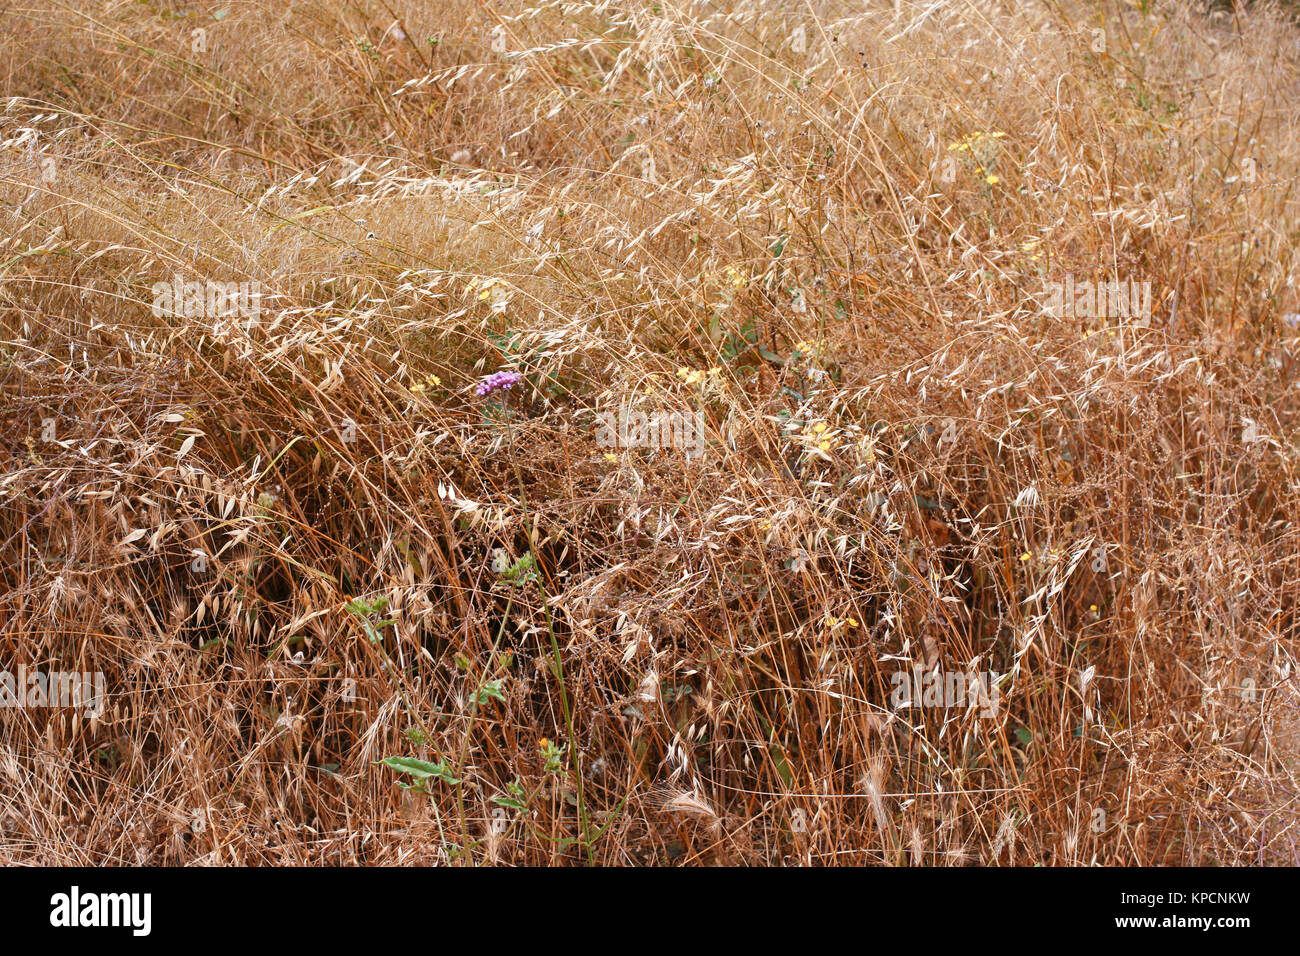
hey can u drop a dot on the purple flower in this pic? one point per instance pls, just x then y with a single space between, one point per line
496 380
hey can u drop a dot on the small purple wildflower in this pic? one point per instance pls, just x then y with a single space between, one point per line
496 380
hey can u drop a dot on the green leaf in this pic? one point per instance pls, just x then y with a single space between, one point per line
489 691
1024 735
782 765
420 769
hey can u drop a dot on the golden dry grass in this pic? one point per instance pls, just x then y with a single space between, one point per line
834 244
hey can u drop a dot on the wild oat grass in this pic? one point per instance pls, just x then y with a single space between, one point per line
301 546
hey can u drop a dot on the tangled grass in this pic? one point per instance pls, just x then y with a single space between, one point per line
350 610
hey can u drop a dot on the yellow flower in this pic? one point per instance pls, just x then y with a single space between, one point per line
964 145
485 287
610 456
819 428
824 446
425 383
693 376
1026 556
991 180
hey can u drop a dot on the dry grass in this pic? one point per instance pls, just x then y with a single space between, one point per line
910 462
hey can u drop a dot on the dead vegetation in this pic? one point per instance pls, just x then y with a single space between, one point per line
300 543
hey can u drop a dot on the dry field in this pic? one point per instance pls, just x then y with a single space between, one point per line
655 432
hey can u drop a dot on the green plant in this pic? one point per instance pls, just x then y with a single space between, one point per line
369 614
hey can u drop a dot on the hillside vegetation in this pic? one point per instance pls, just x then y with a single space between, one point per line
848 344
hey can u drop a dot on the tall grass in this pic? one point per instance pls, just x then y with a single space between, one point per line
831 229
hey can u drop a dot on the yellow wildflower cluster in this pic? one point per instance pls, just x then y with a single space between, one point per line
426 383
820 435
484 287
973 142
694 376
836 623
497 290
